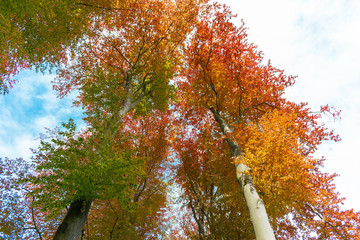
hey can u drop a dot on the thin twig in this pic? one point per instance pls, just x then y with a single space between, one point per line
33 218
106 8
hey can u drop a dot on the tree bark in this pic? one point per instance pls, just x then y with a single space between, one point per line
258 216
74 221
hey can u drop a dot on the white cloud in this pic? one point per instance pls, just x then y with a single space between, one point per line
48 121
19 146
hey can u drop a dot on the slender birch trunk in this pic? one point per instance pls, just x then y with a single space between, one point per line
258 216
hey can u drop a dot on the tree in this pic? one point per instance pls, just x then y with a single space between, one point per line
124 64
210 189
142 215
225 76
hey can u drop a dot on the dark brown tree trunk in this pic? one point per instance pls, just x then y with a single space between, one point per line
74 221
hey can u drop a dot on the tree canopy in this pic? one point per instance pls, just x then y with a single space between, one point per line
174 97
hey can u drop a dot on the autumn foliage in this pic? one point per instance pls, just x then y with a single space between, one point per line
174 97
225 75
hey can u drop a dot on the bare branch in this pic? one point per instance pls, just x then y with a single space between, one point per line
106 8
34 221
119 51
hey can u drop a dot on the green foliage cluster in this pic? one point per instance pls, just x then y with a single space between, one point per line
70 168
36 33
158 90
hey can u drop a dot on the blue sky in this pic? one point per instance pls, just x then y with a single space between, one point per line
319 41
29 108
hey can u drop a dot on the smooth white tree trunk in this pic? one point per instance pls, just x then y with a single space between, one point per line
258 216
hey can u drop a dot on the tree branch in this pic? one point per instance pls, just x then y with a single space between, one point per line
118 50
105 8
34 221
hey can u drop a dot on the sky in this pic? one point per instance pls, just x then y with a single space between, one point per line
29 108
319 41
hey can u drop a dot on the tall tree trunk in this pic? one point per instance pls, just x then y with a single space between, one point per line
258 216
74 221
